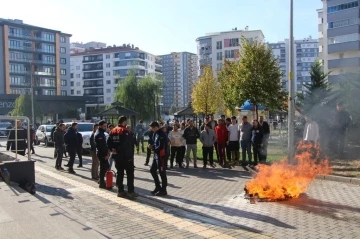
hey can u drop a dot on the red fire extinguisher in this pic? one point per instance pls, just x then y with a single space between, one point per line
109 179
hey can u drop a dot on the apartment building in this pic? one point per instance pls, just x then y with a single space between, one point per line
179 71
96 72
213 48
33 54
339 45
305 54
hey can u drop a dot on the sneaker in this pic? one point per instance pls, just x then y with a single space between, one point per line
121 194
195 166
204 166
102 185
56 167
80 166
213 165
156 190
61 168
161 194
71 171
33 152
66 165
132 195
146 164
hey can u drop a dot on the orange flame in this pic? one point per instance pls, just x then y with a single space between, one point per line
282 180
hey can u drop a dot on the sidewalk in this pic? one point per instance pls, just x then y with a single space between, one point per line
25 216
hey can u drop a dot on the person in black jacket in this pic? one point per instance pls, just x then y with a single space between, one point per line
266 131
257 141
102 152
121 144
71 145
150 134
52 137
79 150
159 162
94 158
191 134
32 138
340 126
59 145
21 139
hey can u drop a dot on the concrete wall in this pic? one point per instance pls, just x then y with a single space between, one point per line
66 66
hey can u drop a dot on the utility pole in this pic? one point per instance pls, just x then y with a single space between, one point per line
291 110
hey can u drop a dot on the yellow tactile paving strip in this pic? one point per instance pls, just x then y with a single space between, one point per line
149 211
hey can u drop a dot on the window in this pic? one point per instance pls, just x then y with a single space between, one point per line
219 56
229 54
72 83
48 37
108 90
107 64
343 38
78 92
63 93
62 50
77 67
107 56
342 7
77 75
343 23
77 83
108 73
234 42
71 75
108 99
62 39
108 82
62 71
219 45
63 83
63 60
72 92
218 66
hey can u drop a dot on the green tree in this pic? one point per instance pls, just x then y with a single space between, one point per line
141 94
23 107
255 77
316 96
206 94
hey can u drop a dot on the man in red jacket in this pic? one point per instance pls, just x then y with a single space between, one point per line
221 133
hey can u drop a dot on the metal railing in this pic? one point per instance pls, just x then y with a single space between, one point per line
15 118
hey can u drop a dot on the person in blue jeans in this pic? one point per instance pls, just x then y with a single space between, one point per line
245 129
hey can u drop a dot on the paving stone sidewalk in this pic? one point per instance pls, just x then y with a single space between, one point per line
327 210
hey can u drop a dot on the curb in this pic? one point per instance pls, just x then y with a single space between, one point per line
333 178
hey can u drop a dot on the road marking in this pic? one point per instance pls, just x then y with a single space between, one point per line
146 210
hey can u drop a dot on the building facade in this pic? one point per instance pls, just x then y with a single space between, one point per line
81 47
213 48
31 54
305 54
96 72
179 75
339 38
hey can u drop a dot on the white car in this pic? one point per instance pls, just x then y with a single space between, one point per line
3 128
43 134
85 129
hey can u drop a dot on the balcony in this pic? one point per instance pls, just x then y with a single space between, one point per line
45 85
20 84
44 50
93 85
93 76
92 58
93 68
43 73
22 48
158 70
20 72
29 37
94 92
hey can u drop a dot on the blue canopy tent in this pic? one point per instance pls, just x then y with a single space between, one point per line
249 107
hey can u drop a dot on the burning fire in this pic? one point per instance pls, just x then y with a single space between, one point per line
282 180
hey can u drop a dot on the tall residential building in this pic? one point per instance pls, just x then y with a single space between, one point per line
213 48
33 54
179 74
339 29
305 54
96 72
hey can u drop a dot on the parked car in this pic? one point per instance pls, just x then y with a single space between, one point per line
3 128
43 135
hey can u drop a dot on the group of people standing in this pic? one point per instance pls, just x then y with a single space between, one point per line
225 135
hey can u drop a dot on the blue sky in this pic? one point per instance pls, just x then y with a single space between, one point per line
163 26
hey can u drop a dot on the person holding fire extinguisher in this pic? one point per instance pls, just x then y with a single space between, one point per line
121 144
159 162
102 152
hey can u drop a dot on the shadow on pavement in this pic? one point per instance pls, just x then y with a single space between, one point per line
319 207
59 192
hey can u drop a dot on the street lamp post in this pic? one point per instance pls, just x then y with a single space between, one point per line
32 93
291 110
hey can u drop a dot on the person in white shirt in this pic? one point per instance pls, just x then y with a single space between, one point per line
311 131
233 140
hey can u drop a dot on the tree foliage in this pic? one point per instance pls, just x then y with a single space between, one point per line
255 77
23 107
206 94
141 94
316 96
